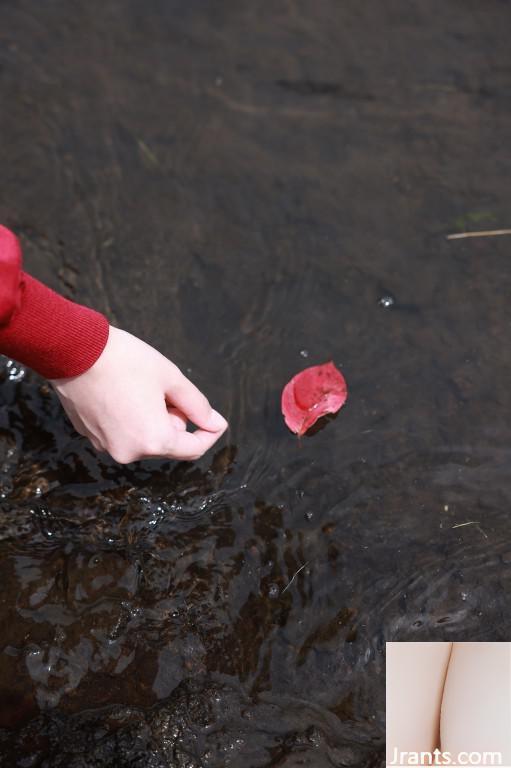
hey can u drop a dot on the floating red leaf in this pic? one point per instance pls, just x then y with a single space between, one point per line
311 394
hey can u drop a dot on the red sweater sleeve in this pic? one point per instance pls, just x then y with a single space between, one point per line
40 328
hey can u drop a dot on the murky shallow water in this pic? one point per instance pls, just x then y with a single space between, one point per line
242 189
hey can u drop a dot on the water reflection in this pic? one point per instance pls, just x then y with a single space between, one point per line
132 582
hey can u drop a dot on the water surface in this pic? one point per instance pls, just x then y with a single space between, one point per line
241 186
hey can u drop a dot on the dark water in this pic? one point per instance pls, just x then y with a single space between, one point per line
240 184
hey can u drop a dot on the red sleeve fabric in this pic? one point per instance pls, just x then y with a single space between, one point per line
40 328
10 274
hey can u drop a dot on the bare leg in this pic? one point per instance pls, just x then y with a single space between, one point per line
476 707
415 680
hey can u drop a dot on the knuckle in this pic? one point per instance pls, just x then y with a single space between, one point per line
151 444
179 456
174 369
180 387
121 455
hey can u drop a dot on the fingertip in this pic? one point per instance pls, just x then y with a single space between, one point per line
216 422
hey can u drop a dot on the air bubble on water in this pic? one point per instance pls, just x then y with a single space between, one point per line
464 595
387 301
273 591
15 372
304 352
309 515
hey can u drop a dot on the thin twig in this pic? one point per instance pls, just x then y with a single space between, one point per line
460 525
294 577
485 233
472 522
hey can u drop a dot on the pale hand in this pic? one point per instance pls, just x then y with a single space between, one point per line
134 404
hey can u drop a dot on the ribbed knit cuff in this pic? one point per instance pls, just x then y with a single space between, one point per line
10 273
56 337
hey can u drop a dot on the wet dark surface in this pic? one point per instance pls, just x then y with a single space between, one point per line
240 184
